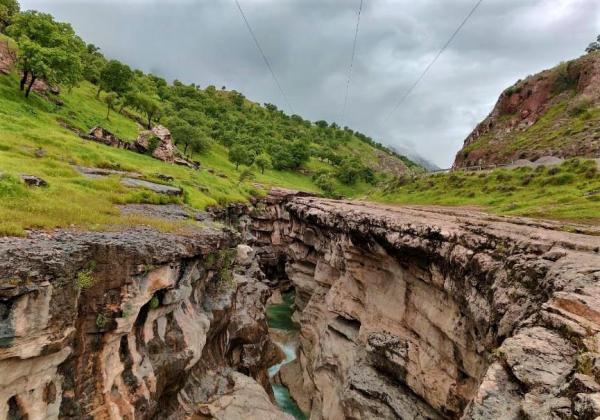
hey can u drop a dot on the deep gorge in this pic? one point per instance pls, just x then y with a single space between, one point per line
401 313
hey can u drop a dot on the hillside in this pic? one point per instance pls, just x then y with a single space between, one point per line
224 132
553 113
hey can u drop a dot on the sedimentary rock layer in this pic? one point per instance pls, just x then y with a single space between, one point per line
410 312
123 325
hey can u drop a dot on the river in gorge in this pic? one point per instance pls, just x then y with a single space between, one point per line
279 318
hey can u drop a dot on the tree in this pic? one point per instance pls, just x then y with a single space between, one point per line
93 62
115 77
110 99
349 171
594 46
263 161
49 50
147 105
8 9
240 155
300 153
187 135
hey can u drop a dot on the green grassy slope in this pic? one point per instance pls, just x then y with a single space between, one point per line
567 192
34 124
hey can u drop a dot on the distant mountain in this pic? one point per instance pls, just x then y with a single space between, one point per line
415 157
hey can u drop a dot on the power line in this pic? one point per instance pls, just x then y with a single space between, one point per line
351 63
266 60
440 52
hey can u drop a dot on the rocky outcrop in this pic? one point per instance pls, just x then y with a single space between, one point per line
411 312
102 135
158 143
7 58
553 113
122 325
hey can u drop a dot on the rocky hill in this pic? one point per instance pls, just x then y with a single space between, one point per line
553 113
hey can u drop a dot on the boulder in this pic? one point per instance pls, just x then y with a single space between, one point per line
245 255
163 149
34 181
587 406
102 135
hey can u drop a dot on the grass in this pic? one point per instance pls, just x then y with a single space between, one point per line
568 192
34 141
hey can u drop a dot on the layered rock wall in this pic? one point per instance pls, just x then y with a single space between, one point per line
122 325
408 312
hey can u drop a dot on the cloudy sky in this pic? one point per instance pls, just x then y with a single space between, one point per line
309 45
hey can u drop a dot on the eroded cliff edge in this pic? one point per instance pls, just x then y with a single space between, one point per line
409 312
135 324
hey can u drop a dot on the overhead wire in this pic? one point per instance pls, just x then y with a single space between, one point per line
264 57
350 70
430 65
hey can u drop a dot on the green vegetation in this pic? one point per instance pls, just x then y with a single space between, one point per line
48 50
8 9
244 147
569 121
594 46
101 321
85 278
154 302
570 191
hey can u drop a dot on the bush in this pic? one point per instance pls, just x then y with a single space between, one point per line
154 302
324 180
562 179
580 106
101 321
153 143
349 171
85 278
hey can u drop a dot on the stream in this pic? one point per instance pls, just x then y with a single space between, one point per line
279 317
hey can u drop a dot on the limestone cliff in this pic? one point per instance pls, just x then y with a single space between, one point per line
410 312
123 325
553 113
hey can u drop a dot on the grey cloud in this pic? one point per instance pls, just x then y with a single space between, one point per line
309 43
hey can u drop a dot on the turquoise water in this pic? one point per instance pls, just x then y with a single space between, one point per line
286 403
279 316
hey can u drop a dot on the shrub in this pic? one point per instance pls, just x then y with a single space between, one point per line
554 170
561 179
526 179
324 180
153 143
154 302
563 81
503 176
580 106
101 321
591 173
85 278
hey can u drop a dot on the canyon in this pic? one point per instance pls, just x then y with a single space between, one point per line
401 312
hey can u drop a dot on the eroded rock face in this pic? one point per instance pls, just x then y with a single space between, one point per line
558 95
122 325
408 312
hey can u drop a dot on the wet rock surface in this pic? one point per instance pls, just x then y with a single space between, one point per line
429 312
